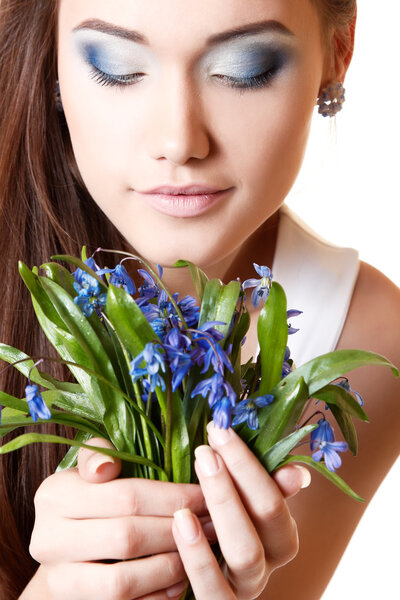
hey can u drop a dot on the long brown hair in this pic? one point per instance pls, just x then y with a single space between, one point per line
44 209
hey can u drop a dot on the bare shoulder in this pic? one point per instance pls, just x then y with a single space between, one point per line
373 320
326 518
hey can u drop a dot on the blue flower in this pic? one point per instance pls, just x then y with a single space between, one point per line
177 345
154 361
290 314
323 438
246 410
120 278
222 414
36 404
210 352
344 383
261 286
149 289
216 388
287 363
90 297
190 310
90 262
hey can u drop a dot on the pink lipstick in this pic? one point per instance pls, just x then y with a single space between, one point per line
186 201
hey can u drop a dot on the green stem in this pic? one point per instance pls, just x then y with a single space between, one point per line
168 433
107 382
156 277
145 430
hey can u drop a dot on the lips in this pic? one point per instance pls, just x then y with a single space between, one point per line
185 201
187 190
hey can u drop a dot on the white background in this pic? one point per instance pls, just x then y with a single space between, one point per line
349 192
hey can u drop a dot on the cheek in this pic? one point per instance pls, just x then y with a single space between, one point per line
265 140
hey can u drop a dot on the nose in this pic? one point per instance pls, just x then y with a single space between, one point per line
176 124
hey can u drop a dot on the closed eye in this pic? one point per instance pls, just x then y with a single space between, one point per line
106 79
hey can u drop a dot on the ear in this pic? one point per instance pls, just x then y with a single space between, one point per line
340 54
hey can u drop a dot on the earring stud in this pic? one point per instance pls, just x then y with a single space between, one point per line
331 100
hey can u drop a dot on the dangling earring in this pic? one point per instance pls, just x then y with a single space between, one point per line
331 99
57 97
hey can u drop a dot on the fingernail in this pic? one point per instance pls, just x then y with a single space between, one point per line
305 476
217 435
97 461
176 590
206 461
187 525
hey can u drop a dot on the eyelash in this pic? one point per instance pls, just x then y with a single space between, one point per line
258 81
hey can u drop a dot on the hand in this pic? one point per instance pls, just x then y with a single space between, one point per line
85 514
255 530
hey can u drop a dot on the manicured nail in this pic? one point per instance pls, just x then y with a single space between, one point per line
305 476
206 461
218 436
176 590
96 463
187 525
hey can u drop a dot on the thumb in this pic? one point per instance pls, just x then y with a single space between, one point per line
96 467
291 479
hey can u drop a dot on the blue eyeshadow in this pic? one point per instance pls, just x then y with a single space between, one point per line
253 62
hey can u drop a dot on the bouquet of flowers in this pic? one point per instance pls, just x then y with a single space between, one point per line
151 369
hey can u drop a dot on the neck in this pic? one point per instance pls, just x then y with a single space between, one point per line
258 248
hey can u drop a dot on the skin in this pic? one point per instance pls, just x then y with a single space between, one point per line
179 126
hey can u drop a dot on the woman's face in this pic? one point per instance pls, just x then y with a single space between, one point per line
165 92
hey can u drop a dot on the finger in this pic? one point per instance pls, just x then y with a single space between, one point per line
200 564
171 593
96 467
116 498
116 538
126 580
237 535
291 479
260 494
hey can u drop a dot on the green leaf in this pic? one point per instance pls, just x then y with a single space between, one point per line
31 438
73 260
58 417
8 414
320 371
321 468
71 458
346 425
272 330
128 321
55 384
32 282
117 416
279 418
281 449
210 299
336 395
14 403
199 278
12 355
180 447
60 275
219 303
69 350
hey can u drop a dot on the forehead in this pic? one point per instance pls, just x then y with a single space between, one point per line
172 26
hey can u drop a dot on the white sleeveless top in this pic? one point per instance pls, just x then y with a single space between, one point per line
318 278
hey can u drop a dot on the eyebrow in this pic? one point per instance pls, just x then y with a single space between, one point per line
213 40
